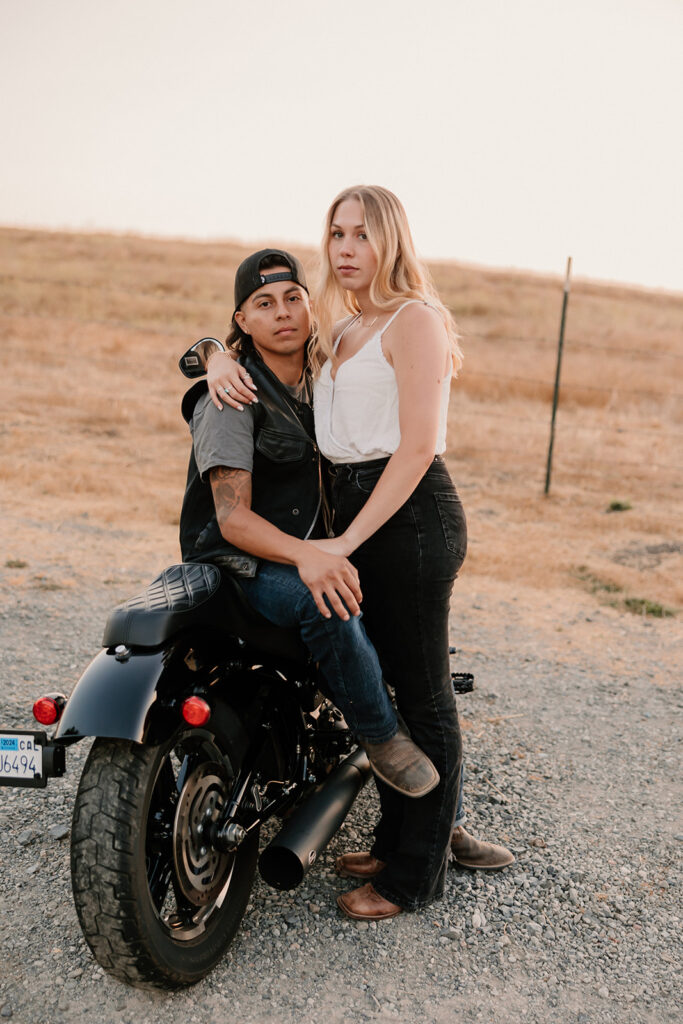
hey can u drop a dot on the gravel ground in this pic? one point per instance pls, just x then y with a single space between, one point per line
571 756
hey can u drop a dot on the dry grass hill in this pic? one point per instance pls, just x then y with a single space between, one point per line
94 450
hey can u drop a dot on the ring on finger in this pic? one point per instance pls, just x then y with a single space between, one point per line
228 389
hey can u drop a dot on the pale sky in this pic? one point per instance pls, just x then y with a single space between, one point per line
516 132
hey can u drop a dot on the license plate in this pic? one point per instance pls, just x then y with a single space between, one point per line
21 758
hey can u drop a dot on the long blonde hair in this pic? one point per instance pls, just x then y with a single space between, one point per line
400 274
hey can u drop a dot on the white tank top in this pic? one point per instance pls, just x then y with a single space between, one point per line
356 414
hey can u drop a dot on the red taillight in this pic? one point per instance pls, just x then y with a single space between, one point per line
196 711
46 710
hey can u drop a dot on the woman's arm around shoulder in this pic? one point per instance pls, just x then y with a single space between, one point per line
229 382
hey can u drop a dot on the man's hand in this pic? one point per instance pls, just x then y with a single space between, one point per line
330 577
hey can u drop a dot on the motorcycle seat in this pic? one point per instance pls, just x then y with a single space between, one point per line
197 594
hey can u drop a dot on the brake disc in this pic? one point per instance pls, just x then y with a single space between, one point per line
201 870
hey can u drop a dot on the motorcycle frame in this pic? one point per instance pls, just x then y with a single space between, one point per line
150 685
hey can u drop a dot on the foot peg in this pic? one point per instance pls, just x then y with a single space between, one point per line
463 682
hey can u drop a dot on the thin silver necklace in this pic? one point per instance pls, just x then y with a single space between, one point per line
373 321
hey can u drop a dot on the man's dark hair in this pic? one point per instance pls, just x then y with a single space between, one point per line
237 341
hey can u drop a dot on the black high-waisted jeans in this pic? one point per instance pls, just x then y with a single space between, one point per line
407 569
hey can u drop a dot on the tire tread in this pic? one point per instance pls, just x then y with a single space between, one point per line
109 797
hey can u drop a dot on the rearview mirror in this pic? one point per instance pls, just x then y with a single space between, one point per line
193 362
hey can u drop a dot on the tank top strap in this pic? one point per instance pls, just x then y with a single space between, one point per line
403 305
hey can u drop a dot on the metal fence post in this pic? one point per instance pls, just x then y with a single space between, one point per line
556 392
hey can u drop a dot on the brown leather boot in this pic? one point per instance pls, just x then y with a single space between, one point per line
358 865
402 765
471 853
365 904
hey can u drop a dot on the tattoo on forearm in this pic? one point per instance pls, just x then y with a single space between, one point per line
231 488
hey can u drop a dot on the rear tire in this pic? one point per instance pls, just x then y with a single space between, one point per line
156 904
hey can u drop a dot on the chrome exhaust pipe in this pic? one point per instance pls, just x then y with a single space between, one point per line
295 849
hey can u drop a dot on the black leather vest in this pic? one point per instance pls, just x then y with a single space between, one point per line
286 485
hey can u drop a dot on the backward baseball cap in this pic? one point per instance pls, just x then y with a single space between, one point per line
249 276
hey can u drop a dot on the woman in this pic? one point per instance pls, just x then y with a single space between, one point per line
380 404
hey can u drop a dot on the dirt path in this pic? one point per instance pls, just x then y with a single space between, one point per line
572 750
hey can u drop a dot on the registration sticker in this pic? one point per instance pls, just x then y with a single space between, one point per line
21 758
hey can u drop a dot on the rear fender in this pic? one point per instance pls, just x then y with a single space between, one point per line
138 697
114 698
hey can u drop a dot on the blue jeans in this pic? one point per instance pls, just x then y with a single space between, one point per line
347 660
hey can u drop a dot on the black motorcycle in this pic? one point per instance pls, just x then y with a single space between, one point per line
208 721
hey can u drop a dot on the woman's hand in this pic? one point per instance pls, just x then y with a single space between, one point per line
334 545
229 382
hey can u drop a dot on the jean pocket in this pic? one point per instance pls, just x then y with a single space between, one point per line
453 524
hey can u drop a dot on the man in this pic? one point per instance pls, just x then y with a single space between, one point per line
254 489
254 498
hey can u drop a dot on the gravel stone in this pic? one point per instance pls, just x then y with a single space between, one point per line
58 831
579 738
28 836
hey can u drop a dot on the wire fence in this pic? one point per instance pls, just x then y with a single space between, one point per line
583 427
595 449
640 445
574 344
513 378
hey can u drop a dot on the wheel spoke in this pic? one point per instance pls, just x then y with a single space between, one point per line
185 908
160 834
159 875
183 770
168 786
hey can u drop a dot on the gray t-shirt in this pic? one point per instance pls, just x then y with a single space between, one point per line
226 438
222 438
